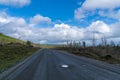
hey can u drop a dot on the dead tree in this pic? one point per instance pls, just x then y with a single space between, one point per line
112 44
93 39
84 44
104 41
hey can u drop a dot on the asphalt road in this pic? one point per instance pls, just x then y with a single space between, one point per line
55 65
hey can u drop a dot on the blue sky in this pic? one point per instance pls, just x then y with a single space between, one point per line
62 9
56 21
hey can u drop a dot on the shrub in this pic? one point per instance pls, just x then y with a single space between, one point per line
29 43
107 57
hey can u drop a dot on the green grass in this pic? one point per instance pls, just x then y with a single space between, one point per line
10 55
7 39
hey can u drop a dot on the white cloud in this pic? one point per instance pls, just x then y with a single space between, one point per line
111 14
62 26
79 13
101 4
59 33
99 26
115 29
90 6
16 3
3 17
10 25
2 20
99 29
37 19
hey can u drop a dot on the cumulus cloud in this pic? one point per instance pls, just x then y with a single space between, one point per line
10 25
100 7
16 3
37 19
63 32
79 13
99 29
99 26
101 4
18 27
115 29
111 14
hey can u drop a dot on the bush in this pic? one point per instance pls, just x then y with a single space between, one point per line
107 57
29 44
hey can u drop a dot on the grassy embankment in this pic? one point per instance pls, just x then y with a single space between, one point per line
12 51
109 54
7 39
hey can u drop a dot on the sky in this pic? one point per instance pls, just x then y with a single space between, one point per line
57 21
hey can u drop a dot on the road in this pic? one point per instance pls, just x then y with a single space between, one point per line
56 65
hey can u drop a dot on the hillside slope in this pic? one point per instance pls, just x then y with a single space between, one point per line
8 39
15 51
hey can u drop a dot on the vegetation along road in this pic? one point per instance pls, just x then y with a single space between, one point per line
49 64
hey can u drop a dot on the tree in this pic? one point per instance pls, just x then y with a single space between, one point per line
79 44
112 43
104 41
118 44
93 39
29 43
0 33
84 44
67 43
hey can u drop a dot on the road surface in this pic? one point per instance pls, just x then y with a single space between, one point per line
56 65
